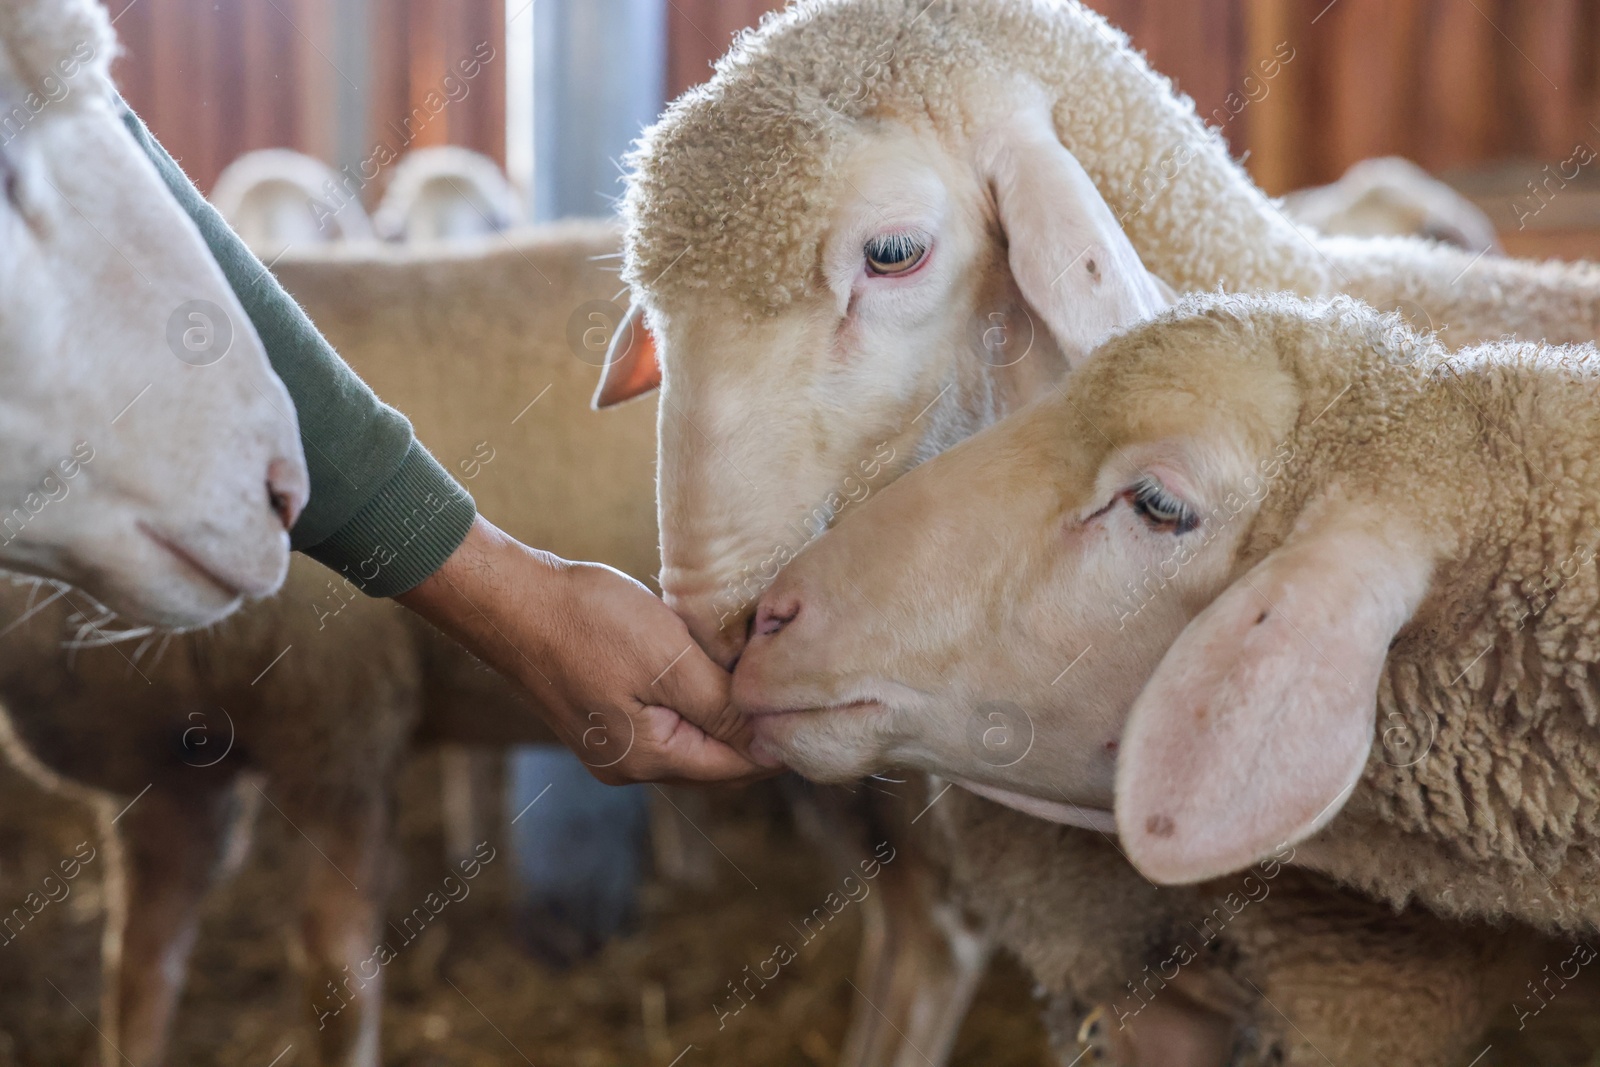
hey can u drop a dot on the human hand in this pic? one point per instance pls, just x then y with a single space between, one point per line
615 671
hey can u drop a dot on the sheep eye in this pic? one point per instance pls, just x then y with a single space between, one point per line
895 253
1164 512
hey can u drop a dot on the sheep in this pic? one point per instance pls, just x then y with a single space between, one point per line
303 705
846 130
148 453
883 224
1265 572
1393 197
276 198
1273 966
447 193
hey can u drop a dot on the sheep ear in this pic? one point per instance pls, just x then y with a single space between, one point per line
1068 254
632 368
1257 724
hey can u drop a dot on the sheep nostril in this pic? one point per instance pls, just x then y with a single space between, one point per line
286 491
769 619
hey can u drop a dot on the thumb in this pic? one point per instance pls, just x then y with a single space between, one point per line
701 692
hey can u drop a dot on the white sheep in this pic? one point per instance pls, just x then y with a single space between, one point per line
885 223
148 453
447 193
1271 573
277 198
313 697
1393 197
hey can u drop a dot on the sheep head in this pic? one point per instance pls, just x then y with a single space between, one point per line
147 451
904 262
1140 593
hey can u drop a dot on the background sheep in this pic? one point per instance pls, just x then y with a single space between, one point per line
1393 197
276 198
1345 483
320 690
178 520
445 193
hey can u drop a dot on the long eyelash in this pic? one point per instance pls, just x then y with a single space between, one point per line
1149 495
895 247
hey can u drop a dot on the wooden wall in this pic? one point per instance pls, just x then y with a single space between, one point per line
216 78
1450 83
700 31
416 45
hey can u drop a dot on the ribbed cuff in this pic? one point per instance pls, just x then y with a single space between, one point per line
417 519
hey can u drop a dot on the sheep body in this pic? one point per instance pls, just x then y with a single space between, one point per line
735 191
1301 969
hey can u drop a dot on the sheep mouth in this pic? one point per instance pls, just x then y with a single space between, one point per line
825 709
232 589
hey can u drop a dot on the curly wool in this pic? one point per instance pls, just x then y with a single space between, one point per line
731 186
45 38
1482 794
1309 972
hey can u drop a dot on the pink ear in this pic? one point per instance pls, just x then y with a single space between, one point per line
1068 254
632 367
1256 726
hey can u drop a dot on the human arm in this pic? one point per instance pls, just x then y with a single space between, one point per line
604 658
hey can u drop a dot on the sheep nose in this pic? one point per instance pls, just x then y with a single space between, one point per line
286 490
770 618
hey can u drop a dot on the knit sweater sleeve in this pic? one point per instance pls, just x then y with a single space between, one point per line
383 512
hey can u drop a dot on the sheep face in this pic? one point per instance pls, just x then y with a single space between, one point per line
1078 596
994 614
147 451
919 337
956 284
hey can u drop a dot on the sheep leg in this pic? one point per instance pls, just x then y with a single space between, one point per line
342 929
175 846
920 965
469 804
682 856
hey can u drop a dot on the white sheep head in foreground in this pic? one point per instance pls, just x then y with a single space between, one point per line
147 451
1253 553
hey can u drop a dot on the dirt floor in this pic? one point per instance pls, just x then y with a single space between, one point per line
464 995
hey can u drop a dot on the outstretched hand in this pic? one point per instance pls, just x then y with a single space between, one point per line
614 670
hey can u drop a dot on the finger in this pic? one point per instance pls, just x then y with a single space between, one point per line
701 692
671 747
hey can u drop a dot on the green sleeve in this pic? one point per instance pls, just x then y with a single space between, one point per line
383 512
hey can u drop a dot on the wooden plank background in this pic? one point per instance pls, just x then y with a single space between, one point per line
217 78
1449 83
